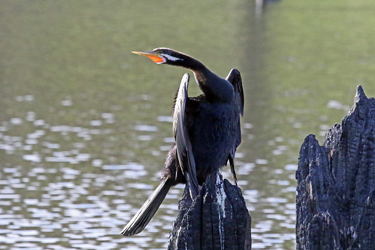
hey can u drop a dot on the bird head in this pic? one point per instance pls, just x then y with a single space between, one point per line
163 56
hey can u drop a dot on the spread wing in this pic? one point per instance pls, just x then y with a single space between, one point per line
234 77
184 150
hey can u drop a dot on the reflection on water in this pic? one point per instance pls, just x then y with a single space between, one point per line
85 126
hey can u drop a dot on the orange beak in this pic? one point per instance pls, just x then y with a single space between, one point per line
156 58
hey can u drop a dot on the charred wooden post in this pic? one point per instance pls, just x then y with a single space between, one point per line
336 183
216 219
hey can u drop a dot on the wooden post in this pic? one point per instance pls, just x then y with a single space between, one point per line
336 184
217 219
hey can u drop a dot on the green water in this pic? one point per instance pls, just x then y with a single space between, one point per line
85 124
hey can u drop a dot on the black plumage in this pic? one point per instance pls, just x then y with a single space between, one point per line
206 129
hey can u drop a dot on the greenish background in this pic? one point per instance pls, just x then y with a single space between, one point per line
85 124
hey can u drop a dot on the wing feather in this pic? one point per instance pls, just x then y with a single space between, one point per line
184 150
234 77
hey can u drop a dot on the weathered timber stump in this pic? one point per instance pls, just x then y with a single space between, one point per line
216 219
336 183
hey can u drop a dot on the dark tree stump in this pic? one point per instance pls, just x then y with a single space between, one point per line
336 183
217 219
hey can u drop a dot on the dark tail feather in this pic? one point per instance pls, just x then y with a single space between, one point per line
147 211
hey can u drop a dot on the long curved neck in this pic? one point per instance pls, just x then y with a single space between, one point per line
216 89
188 62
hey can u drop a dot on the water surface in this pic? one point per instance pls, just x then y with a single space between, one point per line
85 125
